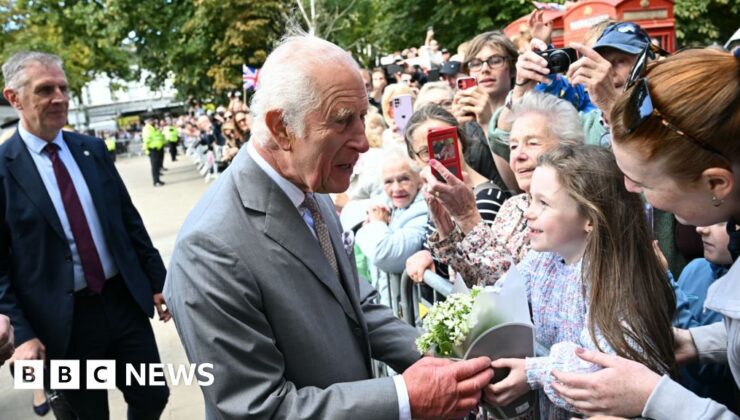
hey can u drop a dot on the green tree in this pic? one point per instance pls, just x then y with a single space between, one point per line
76 30
702 22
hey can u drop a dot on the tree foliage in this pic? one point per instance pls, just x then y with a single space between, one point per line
76 30
702 22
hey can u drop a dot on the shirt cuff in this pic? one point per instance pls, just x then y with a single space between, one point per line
404 406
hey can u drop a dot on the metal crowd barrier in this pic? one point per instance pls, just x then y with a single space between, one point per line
412 299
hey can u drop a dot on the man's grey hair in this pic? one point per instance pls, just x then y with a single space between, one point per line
564 123
14 69
287 81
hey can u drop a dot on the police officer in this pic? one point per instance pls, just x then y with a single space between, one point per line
154 142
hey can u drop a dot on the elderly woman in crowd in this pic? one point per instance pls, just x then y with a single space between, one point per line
438 93
488 198
675 137
394 230
480 252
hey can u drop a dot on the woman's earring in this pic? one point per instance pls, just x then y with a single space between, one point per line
716 202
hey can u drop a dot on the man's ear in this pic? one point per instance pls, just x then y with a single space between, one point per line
12 97
720 182
275 124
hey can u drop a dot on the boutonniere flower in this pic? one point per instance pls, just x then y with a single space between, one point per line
348 241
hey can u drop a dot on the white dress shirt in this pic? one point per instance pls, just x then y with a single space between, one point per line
44 166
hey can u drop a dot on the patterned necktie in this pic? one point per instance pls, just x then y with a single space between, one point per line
322 232
91 265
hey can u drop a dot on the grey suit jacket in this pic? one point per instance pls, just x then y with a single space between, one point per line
252 293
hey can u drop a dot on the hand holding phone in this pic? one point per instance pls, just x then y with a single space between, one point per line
403 107
443 144
463 83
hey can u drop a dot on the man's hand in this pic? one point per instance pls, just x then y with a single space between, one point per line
513 386
472 104
621 388
418 263
595 73
161 306
440 388
531 68
32 349
6 339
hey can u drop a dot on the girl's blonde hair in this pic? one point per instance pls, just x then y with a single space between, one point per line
631 301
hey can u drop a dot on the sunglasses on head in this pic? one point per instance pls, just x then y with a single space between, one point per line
640 108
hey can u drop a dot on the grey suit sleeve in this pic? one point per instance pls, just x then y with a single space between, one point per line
392 341
670 400
217 307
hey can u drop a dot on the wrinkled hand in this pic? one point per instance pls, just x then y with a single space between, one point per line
161 306
513 386
437 213
595 74
418 263
7 339
379 213
540 29
32 349
684 347
441 388
456 197
621 388
472 104
531 68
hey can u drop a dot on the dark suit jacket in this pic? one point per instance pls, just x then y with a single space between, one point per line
36 276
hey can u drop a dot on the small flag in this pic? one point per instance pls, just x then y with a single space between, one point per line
250 76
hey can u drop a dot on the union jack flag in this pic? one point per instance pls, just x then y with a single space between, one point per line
250 76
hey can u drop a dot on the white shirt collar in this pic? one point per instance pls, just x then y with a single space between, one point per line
294 193
37 144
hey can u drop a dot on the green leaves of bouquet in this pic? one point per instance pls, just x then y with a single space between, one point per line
446 325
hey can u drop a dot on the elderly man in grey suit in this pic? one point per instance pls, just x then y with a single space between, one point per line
261 285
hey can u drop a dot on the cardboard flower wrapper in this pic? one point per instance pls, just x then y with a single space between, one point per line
501 327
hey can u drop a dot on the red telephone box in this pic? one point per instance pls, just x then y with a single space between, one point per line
655 16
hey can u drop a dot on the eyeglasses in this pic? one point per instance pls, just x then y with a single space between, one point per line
640 108
423 153
494 61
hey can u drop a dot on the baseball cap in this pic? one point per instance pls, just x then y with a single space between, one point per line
450 68
627 37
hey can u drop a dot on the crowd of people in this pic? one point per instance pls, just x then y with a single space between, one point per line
597 183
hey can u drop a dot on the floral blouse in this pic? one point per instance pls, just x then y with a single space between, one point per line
481 256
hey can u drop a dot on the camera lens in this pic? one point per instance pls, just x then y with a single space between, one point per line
558 61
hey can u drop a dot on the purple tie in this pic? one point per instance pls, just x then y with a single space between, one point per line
91 266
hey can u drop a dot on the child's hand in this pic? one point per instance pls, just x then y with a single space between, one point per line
511 387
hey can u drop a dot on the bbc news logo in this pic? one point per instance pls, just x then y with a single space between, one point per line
101 374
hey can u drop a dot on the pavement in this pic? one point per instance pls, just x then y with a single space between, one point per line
163 209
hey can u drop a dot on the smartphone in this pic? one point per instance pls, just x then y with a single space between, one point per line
443 147
403 107
463 83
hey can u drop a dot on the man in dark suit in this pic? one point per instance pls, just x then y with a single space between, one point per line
79 276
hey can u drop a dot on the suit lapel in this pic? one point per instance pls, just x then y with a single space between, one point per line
85 159
24 171
285 226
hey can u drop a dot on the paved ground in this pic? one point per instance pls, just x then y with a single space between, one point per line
163 210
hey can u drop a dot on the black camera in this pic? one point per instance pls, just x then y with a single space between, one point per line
559 59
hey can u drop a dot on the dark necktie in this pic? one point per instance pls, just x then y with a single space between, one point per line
91 266
322 232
